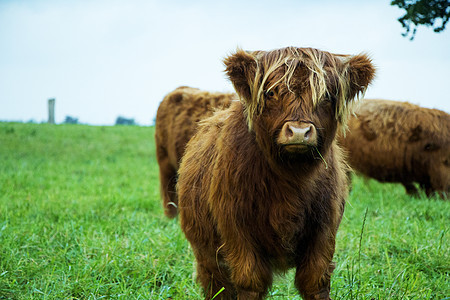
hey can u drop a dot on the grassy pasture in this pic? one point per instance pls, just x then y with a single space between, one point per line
80 218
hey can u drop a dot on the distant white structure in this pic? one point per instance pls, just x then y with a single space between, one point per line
51 111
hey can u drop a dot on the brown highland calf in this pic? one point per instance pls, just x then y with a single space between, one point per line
401 142
262 185
176 122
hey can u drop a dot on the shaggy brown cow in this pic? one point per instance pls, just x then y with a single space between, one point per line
401 142
176 121
262 184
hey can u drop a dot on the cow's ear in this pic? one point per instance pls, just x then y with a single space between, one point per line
241 68
360 73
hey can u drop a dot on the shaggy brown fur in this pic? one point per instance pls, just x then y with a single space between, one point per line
176 122
262 184
401 142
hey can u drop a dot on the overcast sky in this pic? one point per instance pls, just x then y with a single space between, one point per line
102 59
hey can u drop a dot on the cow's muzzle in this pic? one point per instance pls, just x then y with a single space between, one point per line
297 136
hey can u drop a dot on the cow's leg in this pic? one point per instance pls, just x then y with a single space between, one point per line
250 274
168 180
429 191
213 275
314 269
410 189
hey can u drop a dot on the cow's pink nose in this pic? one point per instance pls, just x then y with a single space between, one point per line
298 133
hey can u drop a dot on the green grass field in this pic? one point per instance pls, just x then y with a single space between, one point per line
80 218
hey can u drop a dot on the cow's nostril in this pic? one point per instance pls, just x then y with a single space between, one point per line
308 134
289 132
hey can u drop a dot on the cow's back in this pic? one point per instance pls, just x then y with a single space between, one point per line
385 139
178 115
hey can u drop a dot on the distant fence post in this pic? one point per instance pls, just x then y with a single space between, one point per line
51 111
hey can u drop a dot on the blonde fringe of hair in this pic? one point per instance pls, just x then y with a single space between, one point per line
315 61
